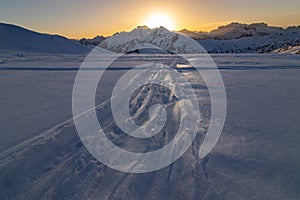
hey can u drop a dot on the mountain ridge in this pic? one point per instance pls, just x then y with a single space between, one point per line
232 38
161 38
16 38
235 30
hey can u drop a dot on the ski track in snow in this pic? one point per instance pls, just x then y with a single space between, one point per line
72 173
24 149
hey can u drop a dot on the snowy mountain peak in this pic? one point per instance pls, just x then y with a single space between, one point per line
94 41
160 37
161 30
235 30
143 27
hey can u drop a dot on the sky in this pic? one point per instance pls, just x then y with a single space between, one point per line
88 18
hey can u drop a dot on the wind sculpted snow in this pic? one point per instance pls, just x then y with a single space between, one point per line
256 157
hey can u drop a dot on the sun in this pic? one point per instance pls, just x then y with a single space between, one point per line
157 20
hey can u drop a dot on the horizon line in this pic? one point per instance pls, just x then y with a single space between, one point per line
130 29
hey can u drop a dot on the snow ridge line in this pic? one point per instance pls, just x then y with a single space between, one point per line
16 151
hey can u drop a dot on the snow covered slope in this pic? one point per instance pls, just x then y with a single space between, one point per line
257 44
243 38
143 36
196 35
236 30
15 38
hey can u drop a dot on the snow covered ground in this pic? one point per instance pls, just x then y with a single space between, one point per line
257 156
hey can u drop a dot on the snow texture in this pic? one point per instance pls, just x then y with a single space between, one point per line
257 156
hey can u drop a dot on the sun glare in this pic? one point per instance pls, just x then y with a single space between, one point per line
158 20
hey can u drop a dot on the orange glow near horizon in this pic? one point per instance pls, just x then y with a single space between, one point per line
77 19
157 20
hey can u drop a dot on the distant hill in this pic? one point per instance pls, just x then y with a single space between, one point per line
94 41
247 38
235 30
15 38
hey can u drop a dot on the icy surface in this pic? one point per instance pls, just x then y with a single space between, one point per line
257 156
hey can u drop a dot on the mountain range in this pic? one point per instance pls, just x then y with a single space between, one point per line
232 38
244 38
153 40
